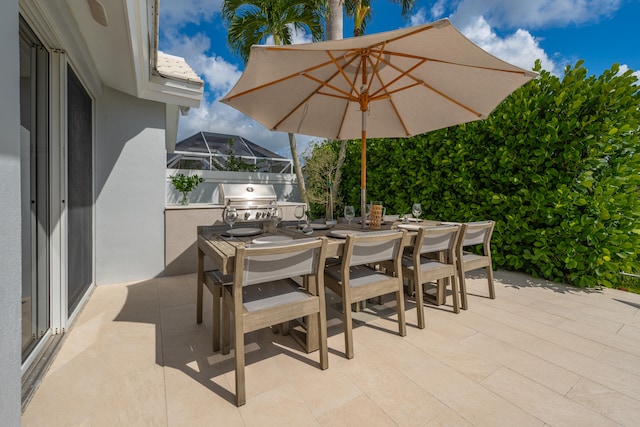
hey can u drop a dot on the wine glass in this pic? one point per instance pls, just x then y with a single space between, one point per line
416 209
230 217
349 213
299 212
277 216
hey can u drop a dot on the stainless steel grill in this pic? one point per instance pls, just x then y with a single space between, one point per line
254 202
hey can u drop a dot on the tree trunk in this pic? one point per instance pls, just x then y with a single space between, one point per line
334 23
296 165
335 32
342 155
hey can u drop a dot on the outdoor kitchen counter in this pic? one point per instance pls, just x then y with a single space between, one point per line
180 233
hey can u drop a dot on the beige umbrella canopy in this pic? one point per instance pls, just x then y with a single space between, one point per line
394 84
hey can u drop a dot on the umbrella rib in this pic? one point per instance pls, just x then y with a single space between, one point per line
293 75
346 96
385 86
459 64
344 117
402 74
426 85
395 110
340 70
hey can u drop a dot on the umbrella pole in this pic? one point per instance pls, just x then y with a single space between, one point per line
363 172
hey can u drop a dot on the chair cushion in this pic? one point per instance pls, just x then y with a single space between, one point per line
272 294
427 264
468 256
360 275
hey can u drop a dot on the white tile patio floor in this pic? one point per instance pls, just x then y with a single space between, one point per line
541 354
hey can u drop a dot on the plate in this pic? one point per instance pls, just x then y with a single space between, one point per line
319 226
412 227
272 239
243 231
413 219
342 234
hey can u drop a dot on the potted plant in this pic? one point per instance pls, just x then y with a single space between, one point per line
185 185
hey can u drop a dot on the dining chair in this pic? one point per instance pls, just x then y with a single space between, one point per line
264 294
214 281
472 234
356 279
432 259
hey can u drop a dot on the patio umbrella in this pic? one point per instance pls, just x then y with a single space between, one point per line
394 84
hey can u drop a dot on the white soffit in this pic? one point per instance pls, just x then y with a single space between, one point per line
176 80
122 57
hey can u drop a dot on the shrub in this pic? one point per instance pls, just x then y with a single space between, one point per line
556 165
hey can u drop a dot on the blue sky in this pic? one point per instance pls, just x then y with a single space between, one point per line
558 32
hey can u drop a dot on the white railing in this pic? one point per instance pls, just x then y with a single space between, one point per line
285 185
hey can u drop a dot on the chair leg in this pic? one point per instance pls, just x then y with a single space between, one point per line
322 338
200 285
419 304
454 293
411 288
441 291
284 328
463 289
199 302
492 290
241 397
217 313
226 326
348 330
402 324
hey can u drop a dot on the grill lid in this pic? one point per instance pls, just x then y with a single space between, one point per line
247 195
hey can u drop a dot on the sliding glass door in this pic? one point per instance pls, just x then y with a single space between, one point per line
57 196
34 139
80 190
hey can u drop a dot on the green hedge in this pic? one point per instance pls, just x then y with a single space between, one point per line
556 165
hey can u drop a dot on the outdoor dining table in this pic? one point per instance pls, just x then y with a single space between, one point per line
214 243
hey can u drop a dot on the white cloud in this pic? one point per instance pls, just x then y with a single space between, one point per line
534 14
177 13
438 9
418 18
624 68
519 48
297 36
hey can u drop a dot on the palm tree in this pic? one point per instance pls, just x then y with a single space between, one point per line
253 21
334 20
359 9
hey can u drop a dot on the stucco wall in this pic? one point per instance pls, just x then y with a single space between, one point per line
130 188
10 259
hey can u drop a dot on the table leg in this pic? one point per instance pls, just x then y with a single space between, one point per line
441 294
200 286
309 338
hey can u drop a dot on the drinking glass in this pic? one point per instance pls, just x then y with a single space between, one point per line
299 213
416 209
349 213
277 216
230 217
